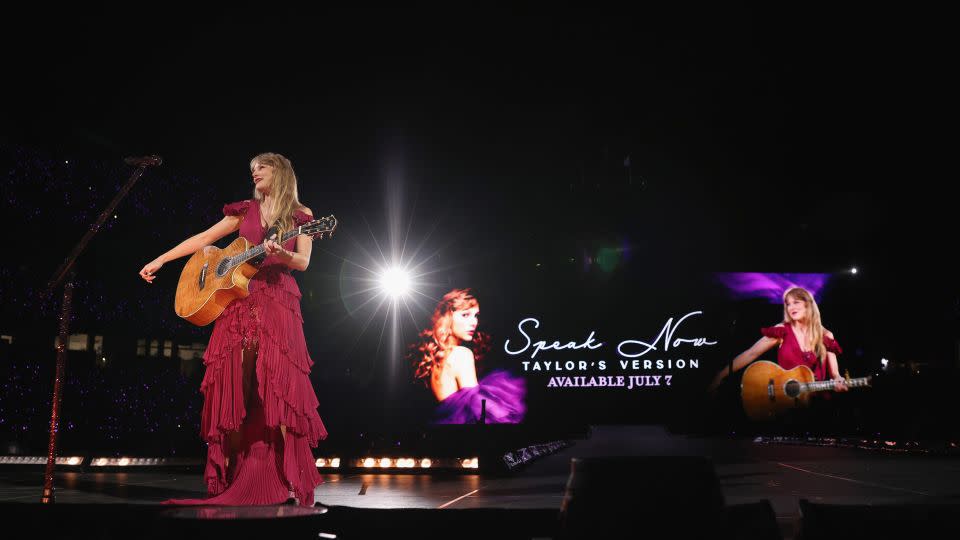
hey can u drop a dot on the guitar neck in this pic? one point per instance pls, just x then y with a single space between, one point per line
259 249
819 386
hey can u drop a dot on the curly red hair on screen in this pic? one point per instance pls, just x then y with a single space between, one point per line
438 340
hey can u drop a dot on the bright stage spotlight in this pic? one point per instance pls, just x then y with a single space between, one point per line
395 282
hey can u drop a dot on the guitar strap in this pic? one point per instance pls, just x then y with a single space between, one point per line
276 231
258 260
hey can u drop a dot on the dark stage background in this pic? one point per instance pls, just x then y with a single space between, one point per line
594 170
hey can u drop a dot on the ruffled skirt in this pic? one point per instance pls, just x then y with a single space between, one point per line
264 464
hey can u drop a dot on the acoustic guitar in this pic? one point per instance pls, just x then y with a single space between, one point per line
769 391
214 277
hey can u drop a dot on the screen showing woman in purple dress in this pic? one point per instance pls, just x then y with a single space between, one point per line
445 360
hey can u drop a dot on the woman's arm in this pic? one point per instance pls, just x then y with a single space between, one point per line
833 371
191 245
833 367
300 259
762 345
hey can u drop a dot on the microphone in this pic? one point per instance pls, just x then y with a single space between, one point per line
144 161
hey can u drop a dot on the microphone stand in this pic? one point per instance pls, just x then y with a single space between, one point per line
67 272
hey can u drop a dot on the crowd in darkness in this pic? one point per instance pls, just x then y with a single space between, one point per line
140 406
128 403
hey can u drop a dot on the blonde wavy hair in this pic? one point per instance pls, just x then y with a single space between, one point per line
284 189
438 340
814 325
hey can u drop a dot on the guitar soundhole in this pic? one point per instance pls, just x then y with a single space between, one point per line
203 276
792 389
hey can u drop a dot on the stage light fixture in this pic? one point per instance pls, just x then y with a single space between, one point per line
395 281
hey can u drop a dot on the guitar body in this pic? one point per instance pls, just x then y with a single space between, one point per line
214 277
769 391
202 294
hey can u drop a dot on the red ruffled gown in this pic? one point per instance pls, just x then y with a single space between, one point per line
266 466
790 355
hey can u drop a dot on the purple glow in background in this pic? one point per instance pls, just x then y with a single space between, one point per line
749 285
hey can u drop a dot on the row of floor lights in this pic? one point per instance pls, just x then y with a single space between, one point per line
400 463
409 463
369 463
38 460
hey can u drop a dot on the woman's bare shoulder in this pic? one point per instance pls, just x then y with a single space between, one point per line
461 354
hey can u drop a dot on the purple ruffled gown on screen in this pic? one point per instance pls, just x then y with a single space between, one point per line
504 394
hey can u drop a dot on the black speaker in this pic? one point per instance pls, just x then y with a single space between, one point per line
634 496
752 521
821 521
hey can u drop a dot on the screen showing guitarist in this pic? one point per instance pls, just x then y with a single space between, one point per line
802 340
259 416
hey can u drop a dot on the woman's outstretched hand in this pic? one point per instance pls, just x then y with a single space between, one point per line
149 270
715 384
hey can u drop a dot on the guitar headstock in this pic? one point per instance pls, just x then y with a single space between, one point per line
319 227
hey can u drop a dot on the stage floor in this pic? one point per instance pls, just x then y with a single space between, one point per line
748 472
